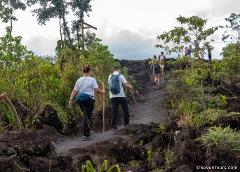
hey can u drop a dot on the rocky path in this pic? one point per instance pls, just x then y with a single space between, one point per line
151 109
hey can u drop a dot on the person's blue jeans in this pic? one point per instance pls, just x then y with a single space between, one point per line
122 101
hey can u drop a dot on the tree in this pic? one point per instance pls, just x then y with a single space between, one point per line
231 61
191 32
172 41
7 8
12 52
80 8
54 9
232 32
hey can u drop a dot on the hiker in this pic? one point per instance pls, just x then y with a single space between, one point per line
162 59
156 70
185 51
117 82
190 51
83 94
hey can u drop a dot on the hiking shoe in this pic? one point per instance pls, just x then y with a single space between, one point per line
87 138
114 128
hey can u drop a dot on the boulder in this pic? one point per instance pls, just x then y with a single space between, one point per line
49 117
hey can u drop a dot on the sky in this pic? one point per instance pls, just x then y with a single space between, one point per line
128 27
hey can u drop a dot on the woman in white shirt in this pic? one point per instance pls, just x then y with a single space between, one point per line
83 94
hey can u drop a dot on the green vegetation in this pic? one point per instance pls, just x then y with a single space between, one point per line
170 158
88 167
221 138
201 95
192 31
52 79
150 157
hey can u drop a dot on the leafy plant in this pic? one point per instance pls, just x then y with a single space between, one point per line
170 157
208 116
192 31
88 167
222 138
150 157
161 128
232 33
231 62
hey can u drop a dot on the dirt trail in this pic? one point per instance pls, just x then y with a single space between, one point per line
152 109
149 110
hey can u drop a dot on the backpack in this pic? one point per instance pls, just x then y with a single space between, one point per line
156 68
114 84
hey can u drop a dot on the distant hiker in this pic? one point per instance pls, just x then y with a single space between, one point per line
155 66
83 94
185 51
209 58
190 51
209 52
162 59
117 82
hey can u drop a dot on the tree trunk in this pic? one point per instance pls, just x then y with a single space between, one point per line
82 35
11 25
66 29
60 32
78 36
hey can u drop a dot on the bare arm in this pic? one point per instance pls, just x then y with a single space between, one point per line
73 95
127 85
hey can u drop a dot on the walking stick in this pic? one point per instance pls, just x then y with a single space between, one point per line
104 104
133 97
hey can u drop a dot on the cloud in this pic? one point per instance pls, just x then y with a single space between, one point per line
128 44
42 45
128 27
219 8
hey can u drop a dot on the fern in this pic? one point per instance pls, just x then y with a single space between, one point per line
8 114
88 167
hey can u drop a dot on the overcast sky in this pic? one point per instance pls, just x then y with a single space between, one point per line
128 27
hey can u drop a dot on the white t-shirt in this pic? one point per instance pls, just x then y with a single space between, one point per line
86 85
162 57
122 80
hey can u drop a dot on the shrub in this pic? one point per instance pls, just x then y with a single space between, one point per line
222 138
88 167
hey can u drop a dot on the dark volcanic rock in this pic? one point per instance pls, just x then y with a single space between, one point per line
28 141
139 71
49 117
183 168
232 121
6 163
23 147
42 164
